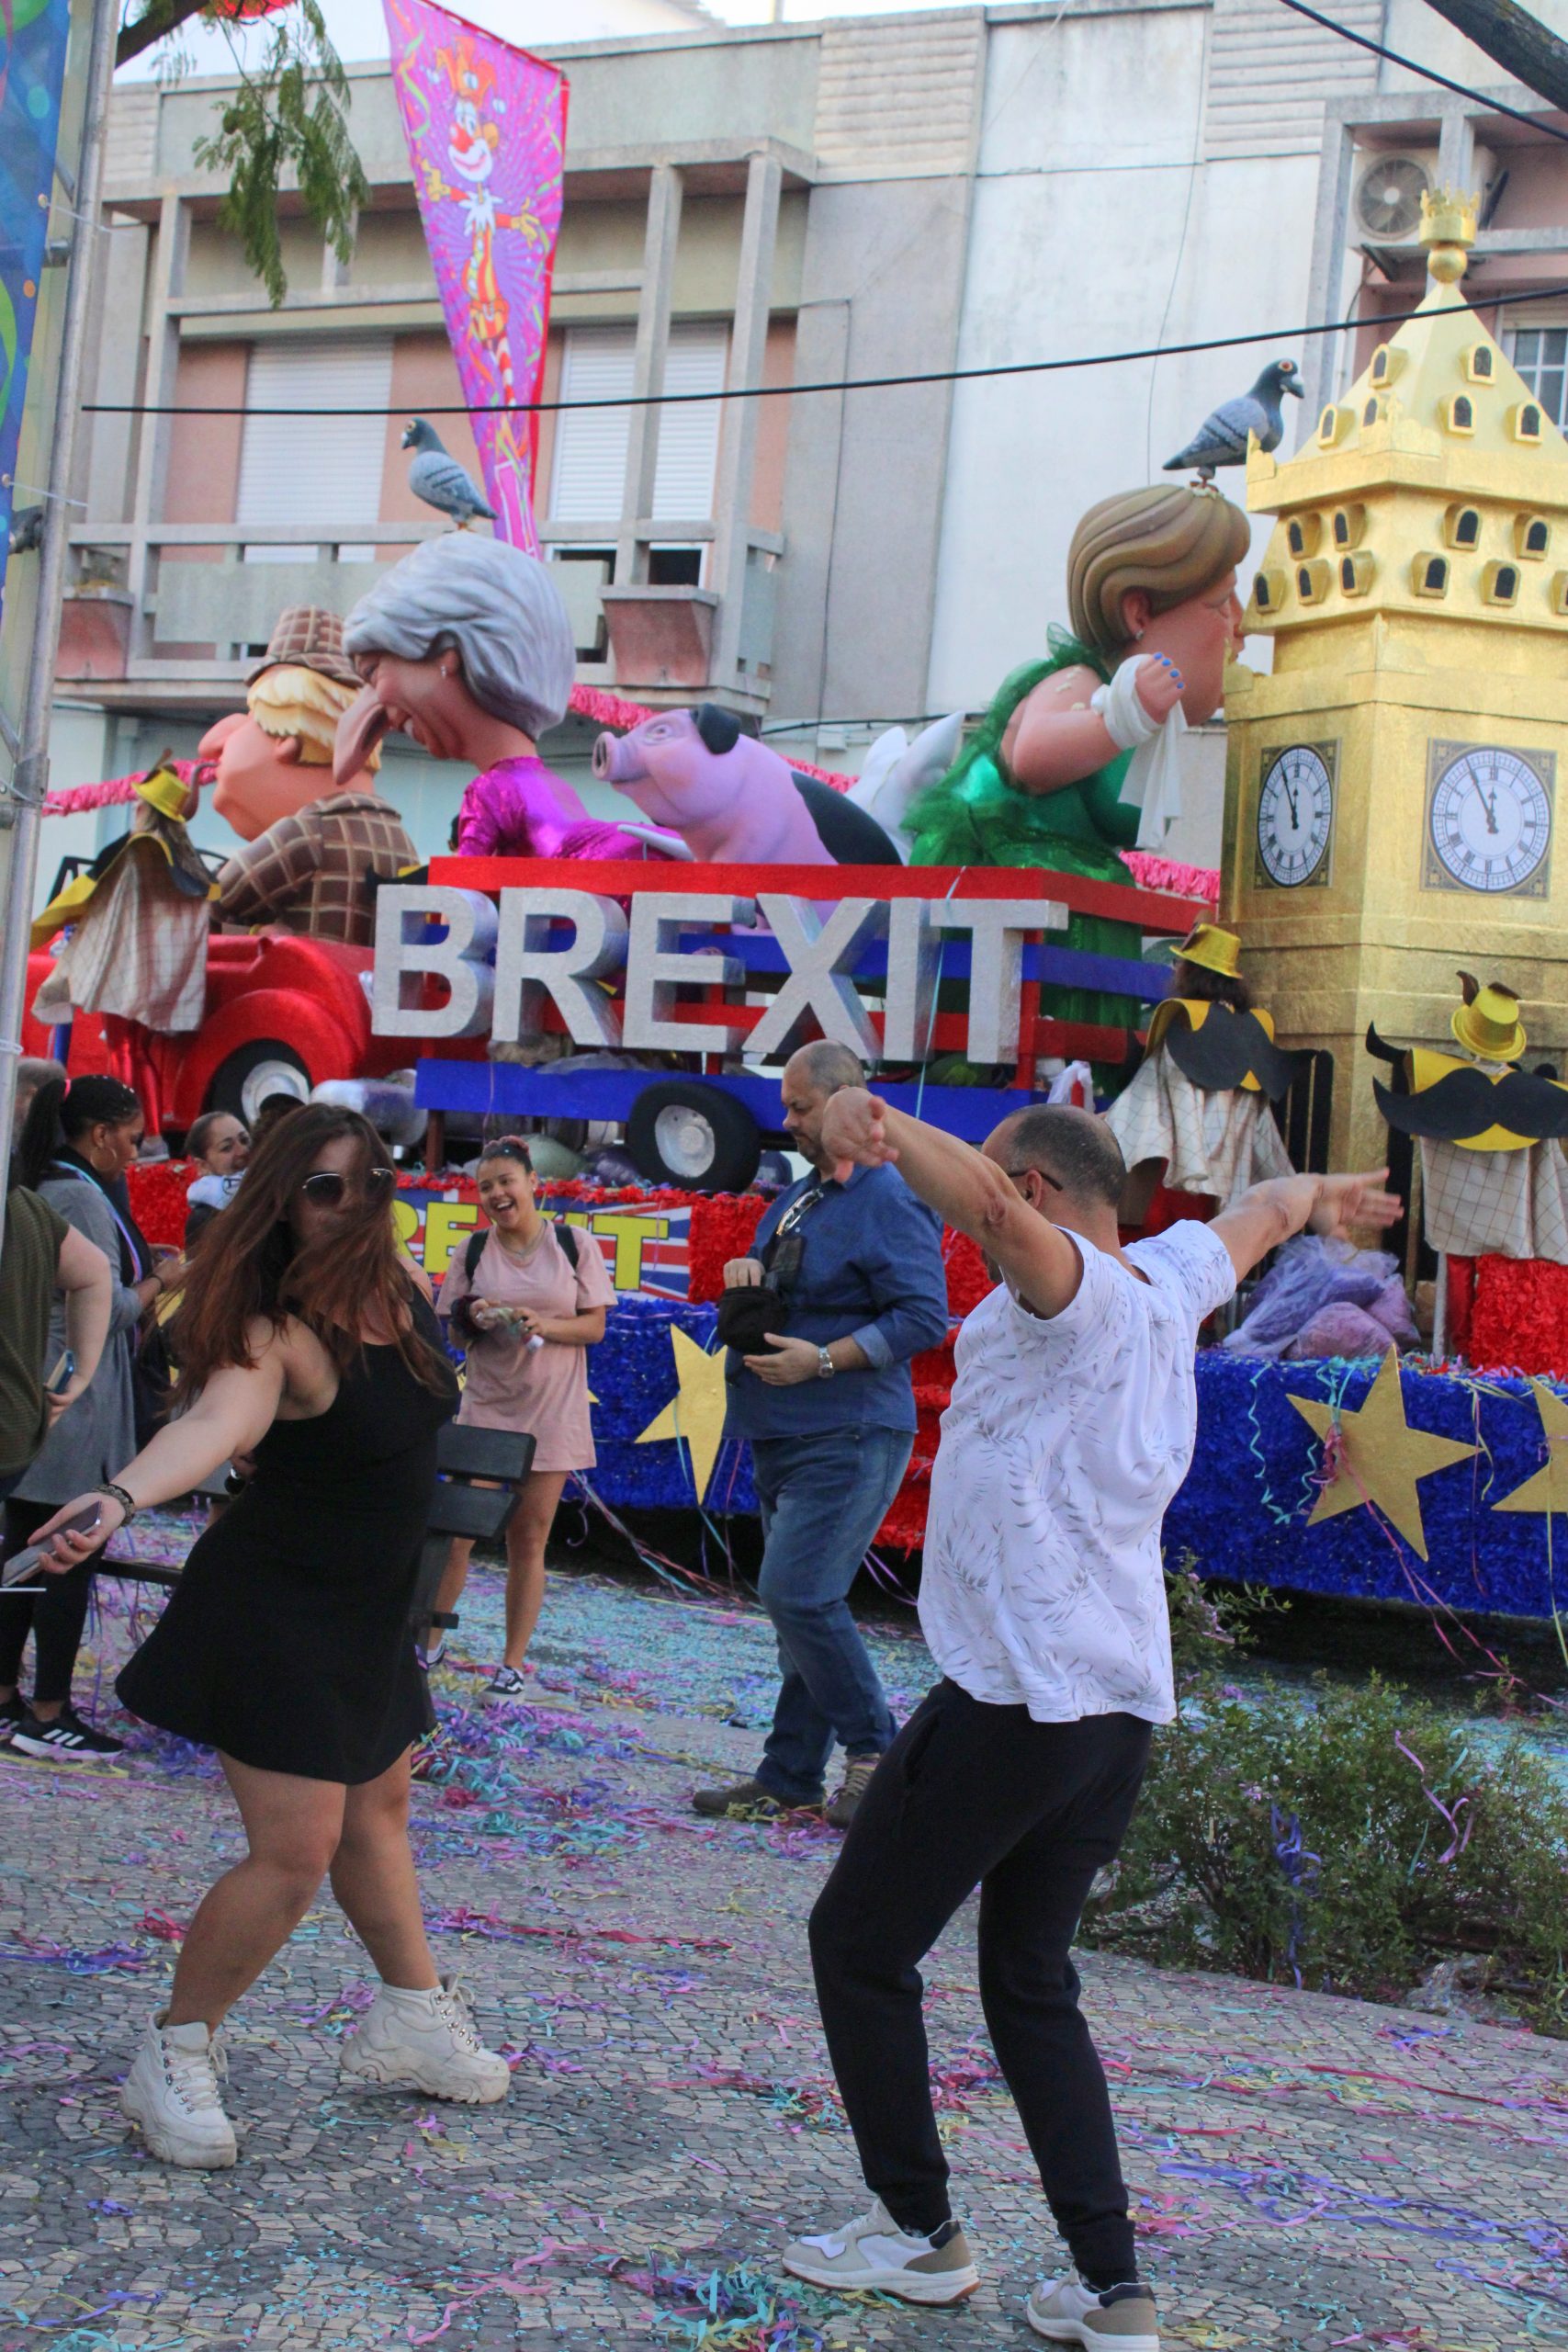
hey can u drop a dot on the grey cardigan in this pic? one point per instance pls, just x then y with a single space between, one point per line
97 1436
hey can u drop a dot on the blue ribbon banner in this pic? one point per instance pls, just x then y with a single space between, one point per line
32 67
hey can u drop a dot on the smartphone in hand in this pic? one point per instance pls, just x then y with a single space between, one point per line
64 1373
24 1564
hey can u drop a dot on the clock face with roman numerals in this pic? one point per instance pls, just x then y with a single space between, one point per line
1489 819
1295 814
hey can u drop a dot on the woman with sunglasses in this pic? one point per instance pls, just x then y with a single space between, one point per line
527 1308
286 1645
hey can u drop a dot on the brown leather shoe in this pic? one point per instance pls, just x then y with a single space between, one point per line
747 1801
844 1802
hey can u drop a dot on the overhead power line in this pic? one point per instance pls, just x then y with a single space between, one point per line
840 383
1428 73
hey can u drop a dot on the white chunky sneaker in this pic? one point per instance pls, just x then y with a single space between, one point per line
172 2093
1067 2311
425 2042
873 2254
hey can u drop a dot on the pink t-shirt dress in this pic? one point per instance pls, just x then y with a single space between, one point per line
508 1385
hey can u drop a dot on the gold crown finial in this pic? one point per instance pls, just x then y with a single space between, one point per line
1448 231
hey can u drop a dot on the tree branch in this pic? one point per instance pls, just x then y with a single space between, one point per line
1514 40
158 18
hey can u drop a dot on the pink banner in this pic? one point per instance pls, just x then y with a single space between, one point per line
486 130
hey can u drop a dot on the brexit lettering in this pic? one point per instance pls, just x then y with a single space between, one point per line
532 958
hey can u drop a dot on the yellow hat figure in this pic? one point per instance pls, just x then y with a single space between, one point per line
1487 1024
1215 950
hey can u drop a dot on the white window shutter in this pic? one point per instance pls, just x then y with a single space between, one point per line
591 444
307 470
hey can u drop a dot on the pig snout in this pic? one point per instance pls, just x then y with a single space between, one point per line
617 759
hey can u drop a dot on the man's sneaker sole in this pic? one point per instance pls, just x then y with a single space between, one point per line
1096 2339
384 2075
164 2145
909 2286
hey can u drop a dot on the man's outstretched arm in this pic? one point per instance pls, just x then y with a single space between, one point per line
1330 1205
967 1191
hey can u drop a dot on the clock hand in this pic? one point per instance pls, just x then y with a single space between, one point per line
1489 802
1295 812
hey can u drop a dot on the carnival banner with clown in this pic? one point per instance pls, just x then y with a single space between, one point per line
486 130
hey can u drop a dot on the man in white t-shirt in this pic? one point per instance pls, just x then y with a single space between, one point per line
1042 1598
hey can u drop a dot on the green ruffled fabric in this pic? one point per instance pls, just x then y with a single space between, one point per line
976 815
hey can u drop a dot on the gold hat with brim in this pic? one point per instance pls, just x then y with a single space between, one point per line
162 789
1214 949
1488 1025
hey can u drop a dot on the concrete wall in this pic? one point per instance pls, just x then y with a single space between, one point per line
1094 230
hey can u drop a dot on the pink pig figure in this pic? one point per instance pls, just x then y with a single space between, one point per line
732 800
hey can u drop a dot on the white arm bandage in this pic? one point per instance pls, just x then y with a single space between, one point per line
1153 782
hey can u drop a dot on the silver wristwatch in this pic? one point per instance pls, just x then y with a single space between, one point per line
826 1367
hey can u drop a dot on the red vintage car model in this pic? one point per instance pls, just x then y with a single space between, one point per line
283 1015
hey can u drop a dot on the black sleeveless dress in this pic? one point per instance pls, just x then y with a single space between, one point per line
287 1641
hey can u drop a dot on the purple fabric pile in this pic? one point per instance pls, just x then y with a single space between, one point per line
1324 1298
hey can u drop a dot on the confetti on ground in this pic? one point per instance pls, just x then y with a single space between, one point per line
1309 2173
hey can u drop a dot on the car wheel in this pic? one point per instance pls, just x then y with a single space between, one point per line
255 1072
683 1132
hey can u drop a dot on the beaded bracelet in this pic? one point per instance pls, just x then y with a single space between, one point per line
117 1495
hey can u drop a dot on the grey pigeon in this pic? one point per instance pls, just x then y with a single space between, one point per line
437 478
1220 439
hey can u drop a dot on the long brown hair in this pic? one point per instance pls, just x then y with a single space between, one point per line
248 1262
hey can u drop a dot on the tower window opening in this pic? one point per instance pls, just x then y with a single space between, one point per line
1459 413
1429 575
1500 584
1461 527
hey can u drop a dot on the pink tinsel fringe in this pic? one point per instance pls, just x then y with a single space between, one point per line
82 797
1168 874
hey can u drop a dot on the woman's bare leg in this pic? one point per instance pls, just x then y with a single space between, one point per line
526 1536
292 1828
454 1576
373 1878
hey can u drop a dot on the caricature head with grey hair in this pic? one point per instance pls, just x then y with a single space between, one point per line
462 632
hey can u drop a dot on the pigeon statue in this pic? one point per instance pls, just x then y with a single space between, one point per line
437 478
1220 439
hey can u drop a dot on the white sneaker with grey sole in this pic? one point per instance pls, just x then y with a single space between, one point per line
426 2041
1066 2311
171 2094
875 2256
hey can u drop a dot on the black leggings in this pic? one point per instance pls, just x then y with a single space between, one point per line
55 1616
972 1795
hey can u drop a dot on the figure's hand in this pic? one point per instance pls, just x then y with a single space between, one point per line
67 1549
855 1131
743 1274
485 1314
60 1400
1345 1202
1158 685
792 1362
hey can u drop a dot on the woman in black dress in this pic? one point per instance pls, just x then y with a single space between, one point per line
302 1341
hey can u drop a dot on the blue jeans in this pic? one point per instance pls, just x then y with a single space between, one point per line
822 1499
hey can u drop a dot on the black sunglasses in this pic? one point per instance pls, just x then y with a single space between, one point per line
327 1187
1055 1181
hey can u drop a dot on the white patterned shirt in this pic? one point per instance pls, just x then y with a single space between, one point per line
1042 1584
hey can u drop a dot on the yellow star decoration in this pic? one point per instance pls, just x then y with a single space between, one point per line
1381 1456
1547 1489
696 1413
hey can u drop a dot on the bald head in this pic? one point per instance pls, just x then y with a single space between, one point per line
1073 1149
810 1077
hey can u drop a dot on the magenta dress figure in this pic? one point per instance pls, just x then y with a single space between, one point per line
520 808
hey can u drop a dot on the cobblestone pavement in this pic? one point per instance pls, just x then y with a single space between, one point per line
1308 2172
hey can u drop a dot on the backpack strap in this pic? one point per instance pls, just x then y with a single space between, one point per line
567 1236
474 1250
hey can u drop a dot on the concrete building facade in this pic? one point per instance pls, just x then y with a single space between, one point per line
788 206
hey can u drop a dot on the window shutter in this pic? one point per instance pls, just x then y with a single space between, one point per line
304 470
591 444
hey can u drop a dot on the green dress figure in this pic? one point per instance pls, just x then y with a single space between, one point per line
977 816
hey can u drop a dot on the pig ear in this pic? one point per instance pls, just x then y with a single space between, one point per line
720 730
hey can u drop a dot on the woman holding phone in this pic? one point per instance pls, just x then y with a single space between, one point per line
76 1143
286 1645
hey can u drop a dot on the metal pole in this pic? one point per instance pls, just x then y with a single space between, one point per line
30 779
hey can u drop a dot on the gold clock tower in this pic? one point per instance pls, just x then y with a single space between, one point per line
1393 783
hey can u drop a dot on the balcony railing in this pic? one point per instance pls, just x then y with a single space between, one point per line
204 604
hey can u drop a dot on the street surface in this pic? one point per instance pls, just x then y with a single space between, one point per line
1309 2172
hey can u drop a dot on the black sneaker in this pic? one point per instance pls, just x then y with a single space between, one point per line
66 1740
13 1711
506 1682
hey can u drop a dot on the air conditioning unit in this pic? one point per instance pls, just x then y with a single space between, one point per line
1385 205
1387 201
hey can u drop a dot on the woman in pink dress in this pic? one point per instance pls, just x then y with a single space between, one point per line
527 1312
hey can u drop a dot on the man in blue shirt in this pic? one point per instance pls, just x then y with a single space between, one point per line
829 1409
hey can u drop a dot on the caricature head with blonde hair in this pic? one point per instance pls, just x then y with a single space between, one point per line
269 759
1153 571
